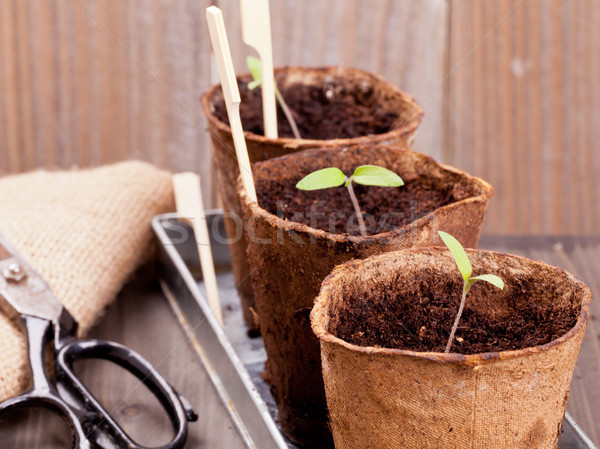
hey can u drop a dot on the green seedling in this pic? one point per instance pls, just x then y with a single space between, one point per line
464 266
255 67
368 175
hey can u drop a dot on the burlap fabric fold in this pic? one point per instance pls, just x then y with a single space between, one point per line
85 231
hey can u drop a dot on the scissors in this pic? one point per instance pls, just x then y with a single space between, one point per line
24 294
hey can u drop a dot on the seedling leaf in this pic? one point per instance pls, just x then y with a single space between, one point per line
322 179
373 175
459 254
254 84
491 278
255 67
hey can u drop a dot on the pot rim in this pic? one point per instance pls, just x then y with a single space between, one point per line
292 143
302 228
319 313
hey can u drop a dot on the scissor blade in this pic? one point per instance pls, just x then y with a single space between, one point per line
22 289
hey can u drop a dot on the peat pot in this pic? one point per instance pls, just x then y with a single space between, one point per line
295 238
335 107
383 321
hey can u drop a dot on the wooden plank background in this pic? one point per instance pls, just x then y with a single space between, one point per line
510 87
523 108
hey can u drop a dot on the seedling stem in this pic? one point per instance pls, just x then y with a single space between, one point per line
464 266
361 221
255 68
288 113
458 316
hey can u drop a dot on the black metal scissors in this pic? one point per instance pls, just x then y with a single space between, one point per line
24 294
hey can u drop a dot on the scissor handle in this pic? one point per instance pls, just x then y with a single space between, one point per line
50 401
43 392
178 409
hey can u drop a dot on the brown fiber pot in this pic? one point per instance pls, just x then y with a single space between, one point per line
289 261
260 148
391 398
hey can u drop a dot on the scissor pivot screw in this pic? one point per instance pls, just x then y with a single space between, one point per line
14 272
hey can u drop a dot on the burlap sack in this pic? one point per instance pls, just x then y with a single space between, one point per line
287 272
389 398
261 148
85 232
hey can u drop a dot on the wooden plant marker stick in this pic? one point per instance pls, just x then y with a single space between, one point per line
256 32
231 93
188 198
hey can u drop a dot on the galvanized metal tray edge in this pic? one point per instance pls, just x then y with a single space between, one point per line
227 372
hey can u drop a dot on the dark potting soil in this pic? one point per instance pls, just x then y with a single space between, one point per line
421 320
384 208
328 111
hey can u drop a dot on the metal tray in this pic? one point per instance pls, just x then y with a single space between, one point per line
234 361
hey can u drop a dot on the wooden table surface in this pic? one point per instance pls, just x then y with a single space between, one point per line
141 319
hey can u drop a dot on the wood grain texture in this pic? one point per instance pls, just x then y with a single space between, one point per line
522 98
510 87
404 41
88 82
